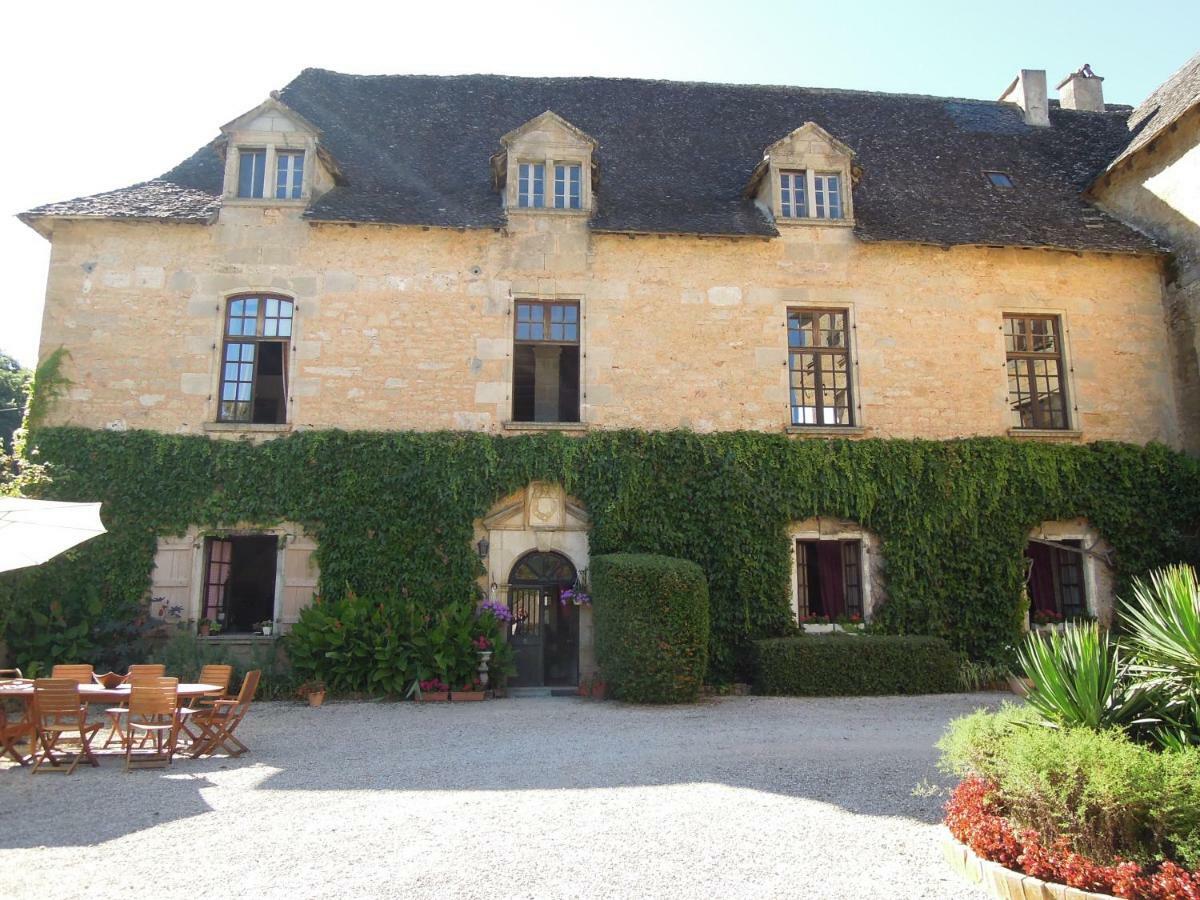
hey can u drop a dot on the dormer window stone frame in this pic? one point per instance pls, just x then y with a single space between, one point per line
812 153
279 133
547 140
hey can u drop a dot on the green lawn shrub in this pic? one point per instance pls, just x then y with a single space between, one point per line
652 626
855 665
1108 796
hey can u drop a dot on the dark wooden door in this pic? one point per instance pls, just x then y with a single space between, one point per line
545 632
527 605
562 644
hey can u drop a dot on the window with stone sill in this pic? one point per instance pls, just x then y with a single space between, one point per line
797 186
566 191
252 173
1037 385
254 356
829 578
819 367
239 581
1055 578
546 361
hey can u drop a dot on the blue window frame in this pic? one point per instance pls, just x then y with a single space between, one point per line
289 174
568 186
531 185
252 170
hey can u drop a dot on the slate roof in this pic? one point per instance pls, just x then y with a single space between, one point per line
1170 100
675 157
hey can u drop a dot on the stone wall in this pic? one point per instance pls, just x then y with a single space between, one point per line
1157 190
411 328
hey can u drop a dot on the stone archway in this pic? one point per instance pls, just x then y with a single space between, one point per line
540 520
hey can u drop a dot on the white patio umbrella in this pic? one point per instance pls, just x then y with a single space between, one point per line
32 531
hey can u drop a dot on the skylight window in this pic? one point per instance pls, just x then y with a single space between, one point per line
999 179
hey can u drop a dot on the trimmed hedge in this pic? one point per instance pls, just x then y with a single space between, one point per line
855 665
652 626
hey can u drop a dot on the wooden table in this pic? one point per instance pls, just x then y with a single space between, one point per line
96 693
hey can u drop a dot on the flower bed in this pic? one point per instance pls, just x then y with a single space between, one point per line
975 818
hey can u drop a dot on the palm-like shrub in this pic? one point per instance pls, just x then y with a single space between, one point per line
1079 679
1164 640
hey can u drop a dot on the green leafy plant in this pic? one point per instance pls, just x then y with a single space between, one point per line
1163 622
830 665
652 626
46 386
1079 680
394 513
1106 795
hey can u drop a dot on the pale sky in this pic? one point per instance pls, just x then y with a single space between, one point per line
97 96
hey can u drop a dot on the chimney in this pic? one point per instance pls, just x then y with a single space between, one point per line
1028 91
1082 90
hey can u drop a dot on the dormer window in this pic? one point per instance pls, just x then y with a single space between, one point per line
804 178
568 186
795 187
252 170
531 185
273 156
545 165
289 174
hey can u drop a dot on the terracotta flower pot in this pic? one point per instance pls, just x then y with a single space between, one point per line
599 690
465 696
435 696
316 698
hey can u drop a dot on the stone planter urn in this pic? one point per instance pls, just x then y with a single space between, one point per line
484 656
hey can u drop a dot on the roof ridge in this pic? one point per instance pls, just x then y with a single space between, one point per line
317 70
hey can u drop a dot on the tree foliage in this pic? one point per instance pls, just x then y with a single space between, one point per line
14 390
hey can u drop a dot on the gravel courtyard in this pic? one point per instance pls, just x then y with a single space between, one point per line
736 797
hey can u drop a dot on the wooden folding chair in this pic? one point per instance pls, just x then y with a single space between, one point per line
138 672
216 673
215 725
80 673
153 711
58 713
213 673
12 732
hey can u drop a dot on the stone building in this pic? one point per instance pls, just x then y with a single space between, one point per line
484 253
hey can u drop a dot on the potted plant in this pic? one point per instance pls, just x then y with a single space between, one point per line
314 691
204 627
214 629
265 626
434 690
471 690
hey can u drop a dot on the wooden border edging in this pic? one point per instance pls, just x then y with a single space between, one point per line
1002 883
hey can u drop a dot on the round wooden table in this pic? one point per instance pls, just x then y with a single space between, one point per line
96 693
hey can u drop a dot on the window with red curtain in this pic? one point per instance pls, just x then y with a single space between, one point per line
829 578
1055 578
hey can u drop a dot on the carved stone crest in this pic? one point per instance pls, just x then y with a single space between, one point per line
544 505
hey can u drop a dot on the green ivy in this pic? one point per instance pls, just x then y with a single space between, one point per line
393 513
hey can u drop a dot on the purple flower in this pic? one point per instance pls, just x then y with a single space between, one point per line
497 609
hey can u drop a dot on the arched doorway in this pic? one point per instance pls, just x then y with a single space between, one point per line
544 630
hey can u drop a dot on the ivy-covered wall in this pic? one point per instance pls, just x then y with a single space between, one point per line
393 514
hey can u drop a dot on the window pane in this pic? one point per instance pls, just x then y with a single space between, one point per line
819 367
251 170
1037 395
